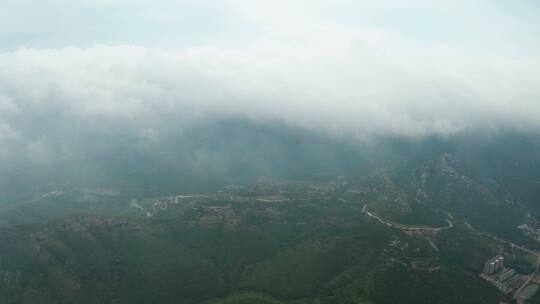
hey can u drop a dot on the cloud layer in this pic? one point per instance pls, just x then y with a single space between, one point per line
354 70
353 84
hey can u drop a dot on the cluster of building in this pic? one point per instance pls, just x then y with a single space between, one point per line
530 231
505 279
494 264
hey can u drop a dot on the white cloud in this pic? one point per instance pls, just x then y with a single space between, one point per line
99 81
341 82
361 68
7 134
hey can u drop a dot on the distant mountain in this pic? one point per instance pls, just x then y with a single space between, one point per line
207 156
424 192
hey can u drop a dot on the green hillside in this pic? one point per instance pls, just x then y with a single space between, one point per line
416 232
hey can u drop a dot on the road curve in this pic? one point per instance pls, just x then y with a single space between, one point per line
407 227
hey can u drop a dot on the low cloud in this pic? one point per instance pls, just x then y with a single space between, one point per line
129 112
339 83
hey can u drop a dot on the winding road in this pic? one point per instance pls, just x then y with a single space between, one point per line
408 227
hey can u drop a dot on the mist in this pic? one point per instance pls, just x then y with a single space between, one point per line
306 80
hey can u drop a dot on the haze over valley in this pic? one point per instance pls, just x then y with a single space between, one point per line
283 152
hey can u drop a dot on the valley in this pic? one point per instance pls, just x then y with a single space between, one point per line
346 240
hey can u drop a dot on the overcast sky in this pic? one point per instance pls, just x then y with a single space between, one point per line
507 26
360 68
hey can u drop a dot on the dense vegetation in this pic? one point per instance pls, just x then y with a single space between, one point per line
280 242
